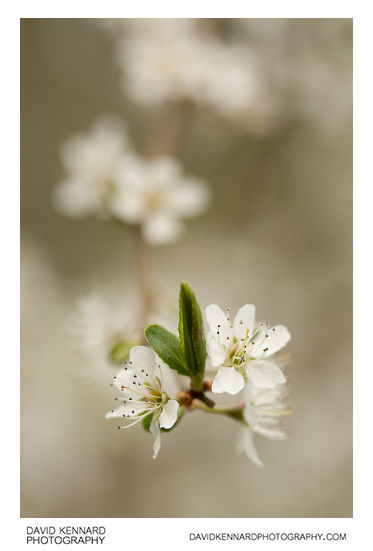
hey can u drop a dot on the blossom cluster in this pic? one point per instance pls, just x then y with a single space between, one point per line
141 394
106 178
255 73
242 351
170 60
102 334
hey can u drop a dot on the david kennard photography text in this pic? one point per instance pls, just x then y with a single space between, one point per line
65 534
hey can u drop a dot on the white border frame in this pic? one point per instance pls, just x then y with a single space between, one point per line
125 533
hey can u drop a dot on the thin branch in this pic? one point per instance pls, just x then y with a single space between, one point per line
236 412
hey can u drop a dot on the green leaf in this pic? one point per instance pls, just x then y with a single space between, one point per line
185 327
198 331
168 347
192 334
120 352
146 421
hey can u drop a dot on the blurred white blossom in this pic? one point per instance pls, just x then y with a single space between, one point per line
155 194
240 349
105 178
256 72
308 64
90 160
264 409
141 393
177 59
95 329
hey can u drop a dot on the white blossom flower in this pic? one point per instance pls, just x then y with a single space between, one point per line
264 409
172 60
240 349
95 329
155 194
141 394
90 161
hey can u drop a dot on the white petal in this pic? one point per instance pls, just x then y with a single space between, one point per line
215 316
270 422
168 417
126 410
264 374
165 169
215 350
143 358
220 326
244 320
156 432
77 198
229 380
170 382
270 340
269 399
124 378
161 229
127 201
274 433
251 415
246 445
127 205
94 155
190 198
129 174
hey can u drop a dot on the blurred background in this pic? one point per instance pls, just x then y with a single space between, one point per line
278 235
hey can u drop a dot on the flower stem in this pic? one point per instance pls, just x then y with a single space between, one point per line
236 412
165 138
197 382
169 129
144 280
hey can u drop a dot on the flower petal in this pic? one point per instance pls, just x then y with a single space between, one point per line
126 410
162 229
270 340
266 397
219 324
143 358
246 445
76 198
215 350
170 383
190 198
165 169
251 416
124 378
156 432
168 417
95 154
274 433
264 374
215 316
229 380
244 320
127 204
